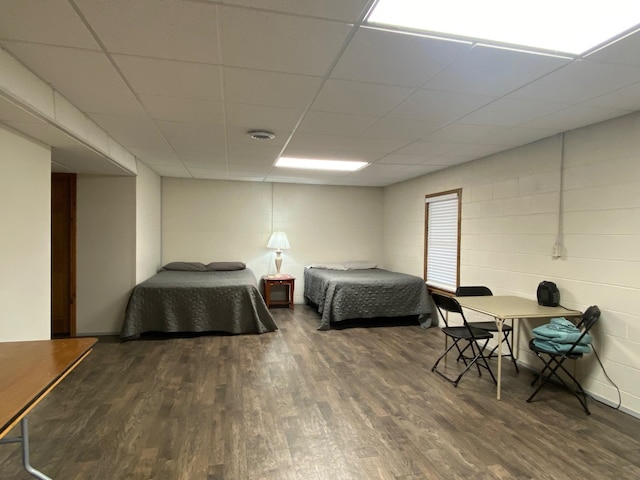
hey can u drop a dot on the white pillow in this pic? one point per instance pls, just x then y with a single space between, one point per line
360 265
328 266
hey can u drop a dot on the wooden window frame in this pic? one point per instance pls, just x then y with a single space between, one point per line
458 193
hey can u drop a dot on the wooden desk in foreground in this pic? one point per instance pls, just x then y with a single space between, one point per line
28 372
506 307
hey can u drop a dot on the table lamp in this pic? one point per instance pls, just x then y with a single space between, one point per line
280 242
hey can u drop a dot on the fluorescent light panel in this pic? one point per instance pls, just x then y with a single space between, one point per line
319 164
569 26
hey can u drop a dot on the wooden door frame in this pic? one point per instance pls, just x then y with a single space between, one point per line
72 248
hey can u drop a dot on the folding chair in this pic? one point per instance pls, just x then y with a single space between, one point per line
465 334
553 360
478 291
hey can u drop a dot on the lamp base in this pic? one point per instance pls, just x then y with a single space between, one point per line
278 262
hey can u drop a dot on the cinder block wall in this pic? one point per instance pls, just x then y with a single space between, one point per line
509 224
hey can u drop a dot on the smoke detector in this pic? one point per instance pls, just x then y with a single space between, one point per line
261 135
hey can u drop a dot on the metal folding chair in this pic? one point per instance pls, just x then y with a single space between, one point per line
490 326
465 335
553 360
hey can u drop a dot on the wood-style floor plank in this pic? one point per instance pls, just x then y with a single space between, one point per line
303 404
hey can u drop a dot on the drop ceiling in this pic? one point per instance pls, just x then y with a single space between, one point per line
178 84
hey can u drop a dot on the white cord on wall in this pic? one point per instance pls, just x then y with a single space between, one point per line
558 248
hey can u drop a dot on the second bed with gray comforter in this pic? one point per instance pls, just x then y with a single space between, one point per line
366 293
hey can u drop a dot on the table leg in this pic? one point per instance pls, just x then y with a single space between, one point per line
24 440
499 323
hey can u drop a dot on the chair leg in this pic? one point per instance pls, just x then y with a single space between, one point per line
513 358
582 398
471 362
454 344
486 365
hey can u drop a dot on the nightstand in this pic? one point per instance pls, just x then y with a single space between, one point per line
287 281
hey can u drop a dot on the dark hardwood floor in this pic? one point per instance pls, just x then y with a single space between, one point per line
302 404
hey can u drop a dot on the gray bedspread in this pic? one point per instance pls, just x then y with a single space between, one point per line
369 293
179 301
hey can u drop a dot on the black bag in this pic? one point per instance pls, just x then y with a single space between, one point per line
548 294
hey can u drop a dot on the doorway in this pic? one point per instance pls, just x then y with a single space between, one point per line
63 255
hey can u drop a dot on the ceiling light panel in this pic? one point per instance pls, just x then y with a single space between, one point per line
569 26
319 164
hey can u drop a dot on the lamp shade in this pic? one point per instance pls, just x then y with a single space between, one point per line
279 241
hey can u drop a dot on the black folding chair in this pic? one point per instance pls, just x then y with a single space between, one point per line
553 360
490 326
465 334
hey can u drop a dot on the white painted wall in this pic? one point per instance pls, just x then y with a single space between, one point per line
148 222
211 220
106 251
25 242
509 224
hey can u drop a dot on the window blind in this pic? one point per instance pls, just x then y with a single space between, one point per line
442 242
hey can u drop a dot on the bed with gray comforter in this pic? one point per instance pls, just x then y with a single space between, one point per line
197 301
365 293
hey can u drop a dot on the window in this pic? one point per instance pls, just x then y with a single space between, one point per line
442 240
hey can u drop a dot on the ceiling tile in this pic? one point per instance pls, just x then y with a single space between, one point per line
208 162
508 112
260 149
462 133
53 22
274 89
359 98
578 82
130 131
624 50
623 99
209 173
428 148
257 117
156 155
387 57
434 106
401 159
194 136
522 135
312 141
576 116
191 155
260 161
68 68
346 10
282 43
169 29
493 71
249 169
108 102
183 109
335 123
377 145
154 76
401 128
477 150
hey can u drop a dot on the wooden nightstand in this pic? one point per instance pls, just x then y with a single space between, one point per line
268 281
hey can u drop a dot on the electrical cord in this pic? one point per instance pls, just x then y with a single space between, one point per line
608 378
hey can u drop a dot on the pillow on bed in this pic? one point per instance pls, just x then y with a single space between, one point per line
225 266
328 266
360 265
186 266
